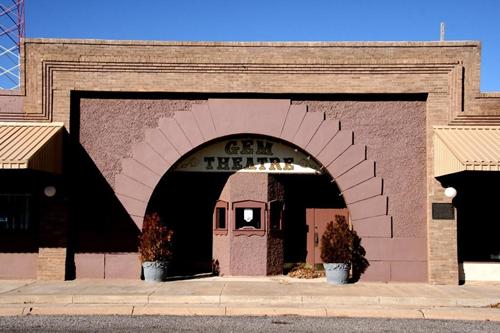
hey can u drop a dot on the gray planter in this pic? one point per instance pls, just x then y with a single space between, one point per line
337 273
155 271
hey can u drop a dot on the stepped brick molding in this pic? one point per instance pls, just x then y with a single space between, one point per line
322 138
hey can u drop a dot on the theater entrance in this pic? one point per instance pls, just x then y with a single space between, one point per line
240 207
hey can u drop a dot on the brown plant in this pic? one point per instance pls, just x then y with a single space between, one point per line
155 241
337 242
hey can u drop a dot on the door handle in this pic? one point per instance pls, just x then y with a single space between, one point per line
316 239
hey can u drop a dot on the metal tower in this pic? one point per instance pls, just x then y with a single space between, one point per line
11 32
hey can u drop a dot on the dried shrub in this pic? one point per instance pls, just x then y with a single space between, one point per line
155 241
337 242
305 271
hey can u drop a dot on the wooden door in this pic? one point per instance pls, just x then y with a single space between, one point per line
316 220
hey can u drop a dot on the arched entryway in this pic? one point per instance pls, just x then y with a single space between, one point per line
201 195
323 139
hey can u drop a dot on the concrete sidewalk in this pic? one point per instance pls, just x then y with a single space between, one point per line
250 296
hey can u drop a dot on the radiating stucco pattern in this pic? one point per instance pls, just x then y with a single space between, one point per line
109 127
394 133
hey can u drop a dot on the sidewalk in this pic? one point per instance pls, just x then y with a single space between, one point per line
250 296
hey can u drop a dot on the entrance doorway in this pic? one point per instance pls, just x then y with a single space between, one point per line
305 194
185 202
277 188
317 219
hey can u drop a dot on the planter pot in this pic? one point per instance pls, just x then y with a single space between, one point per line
155 271
337 273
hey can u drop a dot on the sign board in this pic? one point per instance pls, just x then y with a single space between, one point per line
249 155
443 211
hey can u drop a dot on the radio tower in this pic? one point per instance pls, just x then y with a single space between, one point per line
11 32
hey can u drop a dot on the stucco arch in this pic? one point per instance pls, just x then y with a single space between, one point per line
322 138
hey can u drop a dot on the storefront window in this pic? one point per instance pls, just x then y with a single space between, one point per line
14 212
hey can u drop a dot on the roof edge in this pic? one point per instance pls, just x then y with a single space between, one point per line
22 123
466 43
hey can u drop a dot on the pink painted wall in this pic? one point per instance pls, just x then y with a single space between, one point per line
107 265
18 265
109 127
248 253
393 131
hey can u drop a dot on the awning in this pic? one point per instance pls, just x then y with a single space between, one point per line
35 146
466 148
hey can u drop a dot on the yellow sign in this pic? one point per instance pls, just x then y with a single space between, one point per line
249 155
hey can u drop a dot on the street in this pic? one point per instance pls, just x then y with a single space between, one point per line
235 324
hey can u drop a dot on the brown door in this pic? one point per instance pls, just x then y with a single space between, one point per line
316 220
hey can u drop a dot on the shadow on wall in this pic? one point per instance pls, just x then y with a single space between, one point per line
186 203
477 214
359 261
98 221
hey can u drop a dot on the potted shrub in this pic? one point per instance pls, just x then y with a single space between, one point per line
155 248
337 247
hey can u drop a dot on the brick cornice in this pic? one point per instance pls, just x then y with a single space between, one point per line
51 67
55 67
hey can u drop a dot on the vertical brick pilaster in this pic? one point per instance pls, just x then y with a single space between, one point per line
51 263
53 239
442 247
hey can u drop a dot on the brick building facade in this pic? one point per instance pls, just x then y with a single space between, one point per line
374 116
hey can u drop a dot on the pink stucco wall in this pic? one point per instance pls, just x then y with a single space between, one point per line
18 265
393 131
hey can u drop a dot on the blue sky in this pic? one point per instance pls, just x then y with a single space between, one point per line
278 20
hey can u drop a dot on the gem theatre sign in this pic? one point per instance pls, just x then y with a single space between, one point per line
249 155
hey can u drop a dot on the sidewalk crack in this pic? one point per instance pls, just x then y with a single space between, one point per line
220 294
12 290
151 293
421 312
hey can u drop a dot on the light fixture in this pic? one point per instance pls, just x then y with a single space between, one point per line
49 191
450 192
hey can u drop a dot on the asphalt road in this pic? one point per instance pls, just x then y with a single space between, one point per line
235 324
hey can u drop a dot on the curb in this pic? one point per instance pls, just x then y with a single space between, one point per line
443 313
294 301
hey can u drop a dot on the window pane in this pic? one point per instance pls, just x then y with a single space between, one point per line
14 212
220 218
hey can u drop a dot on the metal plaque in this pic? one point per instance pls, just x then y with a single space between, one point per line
443 211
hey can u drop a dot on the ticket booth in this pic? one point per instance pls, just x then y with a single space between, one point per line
247 236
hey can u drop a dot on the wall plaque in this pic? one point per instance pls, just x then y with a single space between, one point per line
443 211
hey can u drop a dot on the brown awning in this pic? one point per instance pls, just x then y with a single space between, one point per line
461 148
35 146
